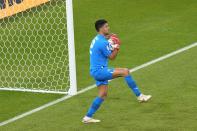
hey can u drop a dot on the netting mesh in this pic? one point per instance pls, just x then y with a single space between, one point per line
34 49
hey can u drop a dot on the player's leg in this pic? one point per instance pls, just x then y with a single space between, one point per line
103 91
101 76
124 72
98 100
96 104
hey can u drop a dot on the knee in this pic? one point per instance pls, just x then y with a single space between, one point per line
103 95
126 72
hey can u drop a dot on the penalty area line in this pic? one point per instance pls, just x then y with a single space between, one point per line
93 86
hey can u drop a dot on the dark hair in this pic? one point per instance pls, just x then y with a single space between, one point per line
99 23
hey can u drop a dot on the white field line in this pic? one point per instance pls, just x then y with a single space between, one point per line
93 86
31 90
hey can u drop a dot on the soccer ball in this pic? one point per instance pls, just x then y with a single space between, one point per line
114 42
112 45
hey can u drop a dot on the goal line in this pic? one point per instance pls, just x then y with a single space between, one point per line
32 90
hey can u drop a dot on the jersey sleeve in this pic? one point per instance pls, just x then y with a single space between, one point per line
105 49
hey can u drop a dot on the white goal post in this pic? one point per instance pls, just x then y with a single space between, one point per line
37 51
71 48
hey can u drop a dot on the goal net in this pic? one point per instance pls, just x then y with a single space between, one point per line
37 46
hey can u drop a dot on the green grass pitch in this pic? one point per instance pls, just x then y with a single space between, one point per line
148 29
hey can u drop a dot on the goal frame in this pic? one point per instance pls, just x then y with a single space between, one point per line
71 48
72 89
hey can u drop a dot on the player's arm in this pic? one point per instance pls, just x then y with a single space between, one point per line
115 43
110 50
107 52
113 54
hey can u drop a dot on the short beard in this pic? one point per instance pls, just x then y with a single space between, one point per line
107 35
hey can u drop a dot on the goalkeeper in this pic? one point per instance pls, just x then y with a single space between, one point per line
103 47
